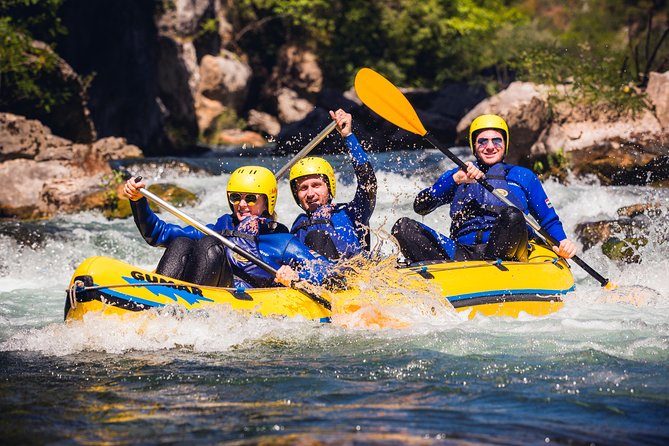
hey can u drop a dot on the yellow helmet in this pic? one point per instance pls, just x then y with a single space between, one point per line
486 122
312 166
255 180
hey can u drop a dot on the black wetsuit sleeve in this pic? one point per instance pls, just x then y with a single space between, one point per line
145 220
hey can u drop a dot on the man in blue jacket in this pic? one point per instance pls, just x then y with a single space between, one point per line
482 227
193 257
334 230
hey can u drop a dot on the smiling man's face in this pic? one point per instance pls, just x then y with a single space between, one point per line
312 192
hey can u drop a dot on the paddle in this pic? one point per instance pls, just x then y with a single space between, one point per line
308 148
380 95
227 243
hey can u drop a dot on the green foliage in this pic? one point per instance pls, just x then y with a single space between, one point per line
420 43
300 18
413 42
24 67
310 15
602 49
207 28
593 75
558 159
36 18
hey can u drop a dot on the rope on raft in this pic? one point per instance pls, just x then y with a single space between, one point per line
494 263
79 286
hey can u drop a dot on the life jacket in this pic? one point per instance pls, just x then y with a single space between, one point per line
245 273
339 227
474 209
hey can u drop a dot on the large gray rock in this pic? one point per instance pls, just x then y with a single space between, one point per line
622 238
643 130
43 175
291 106
208 110
25 138
223 87
297 68
225 78
23 180
295 83
185 18
264 122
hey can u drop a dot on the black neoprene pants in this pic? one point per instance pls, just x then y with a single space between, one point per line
508 241
202 262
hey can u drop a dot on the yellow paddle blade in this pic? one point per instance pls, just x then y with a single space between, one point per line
380 95
611 286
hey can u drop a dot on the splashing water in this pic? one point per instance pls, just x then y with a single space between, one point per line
425 375
387 298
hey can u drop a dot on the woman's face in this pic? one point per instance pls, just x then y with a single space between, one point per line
489 146
246 204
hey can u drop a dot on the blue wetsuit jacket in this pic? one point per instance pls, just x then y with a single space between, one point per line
273 244
348 225
528 195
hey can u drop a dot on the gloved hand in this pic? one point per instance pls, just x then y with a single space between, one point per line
251 225
324 212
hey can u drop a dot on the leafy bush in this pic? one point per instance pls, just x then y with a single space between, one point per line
602 49
25 67
413 42
593 76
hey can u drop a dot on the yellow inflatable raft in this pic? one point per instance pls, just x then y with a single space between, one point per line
110 286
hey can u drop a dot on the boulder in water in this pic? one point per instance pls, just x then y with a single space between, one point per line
622 238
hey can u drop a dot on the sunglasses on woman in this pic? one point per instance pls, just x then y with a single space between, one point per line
483 142
236 198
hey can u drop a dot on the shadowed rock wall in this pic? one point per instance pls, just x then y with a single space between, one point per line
116 41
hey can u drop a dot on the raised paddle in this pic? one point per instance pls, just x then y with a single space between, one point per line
384 98
227 243
308 148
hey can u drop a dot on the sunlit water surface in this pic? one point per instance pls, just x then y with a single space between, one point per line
596 372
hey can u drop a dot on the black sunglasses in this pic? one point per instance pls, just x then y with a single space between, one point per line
236 198
482 142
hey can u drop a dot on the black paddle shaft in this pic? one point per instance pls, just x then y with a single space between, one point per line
530 220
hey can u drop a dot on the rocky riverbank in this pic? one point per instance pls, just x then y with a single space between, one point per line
43 174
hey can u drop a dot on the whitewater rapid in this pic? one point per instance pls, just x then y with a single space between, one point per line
37 267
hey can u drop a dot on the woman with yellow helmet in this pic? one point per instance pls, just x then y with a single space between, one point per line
334 230
193 257
482 226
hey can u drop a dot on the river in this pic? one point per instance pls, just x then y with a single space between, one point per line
595 372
